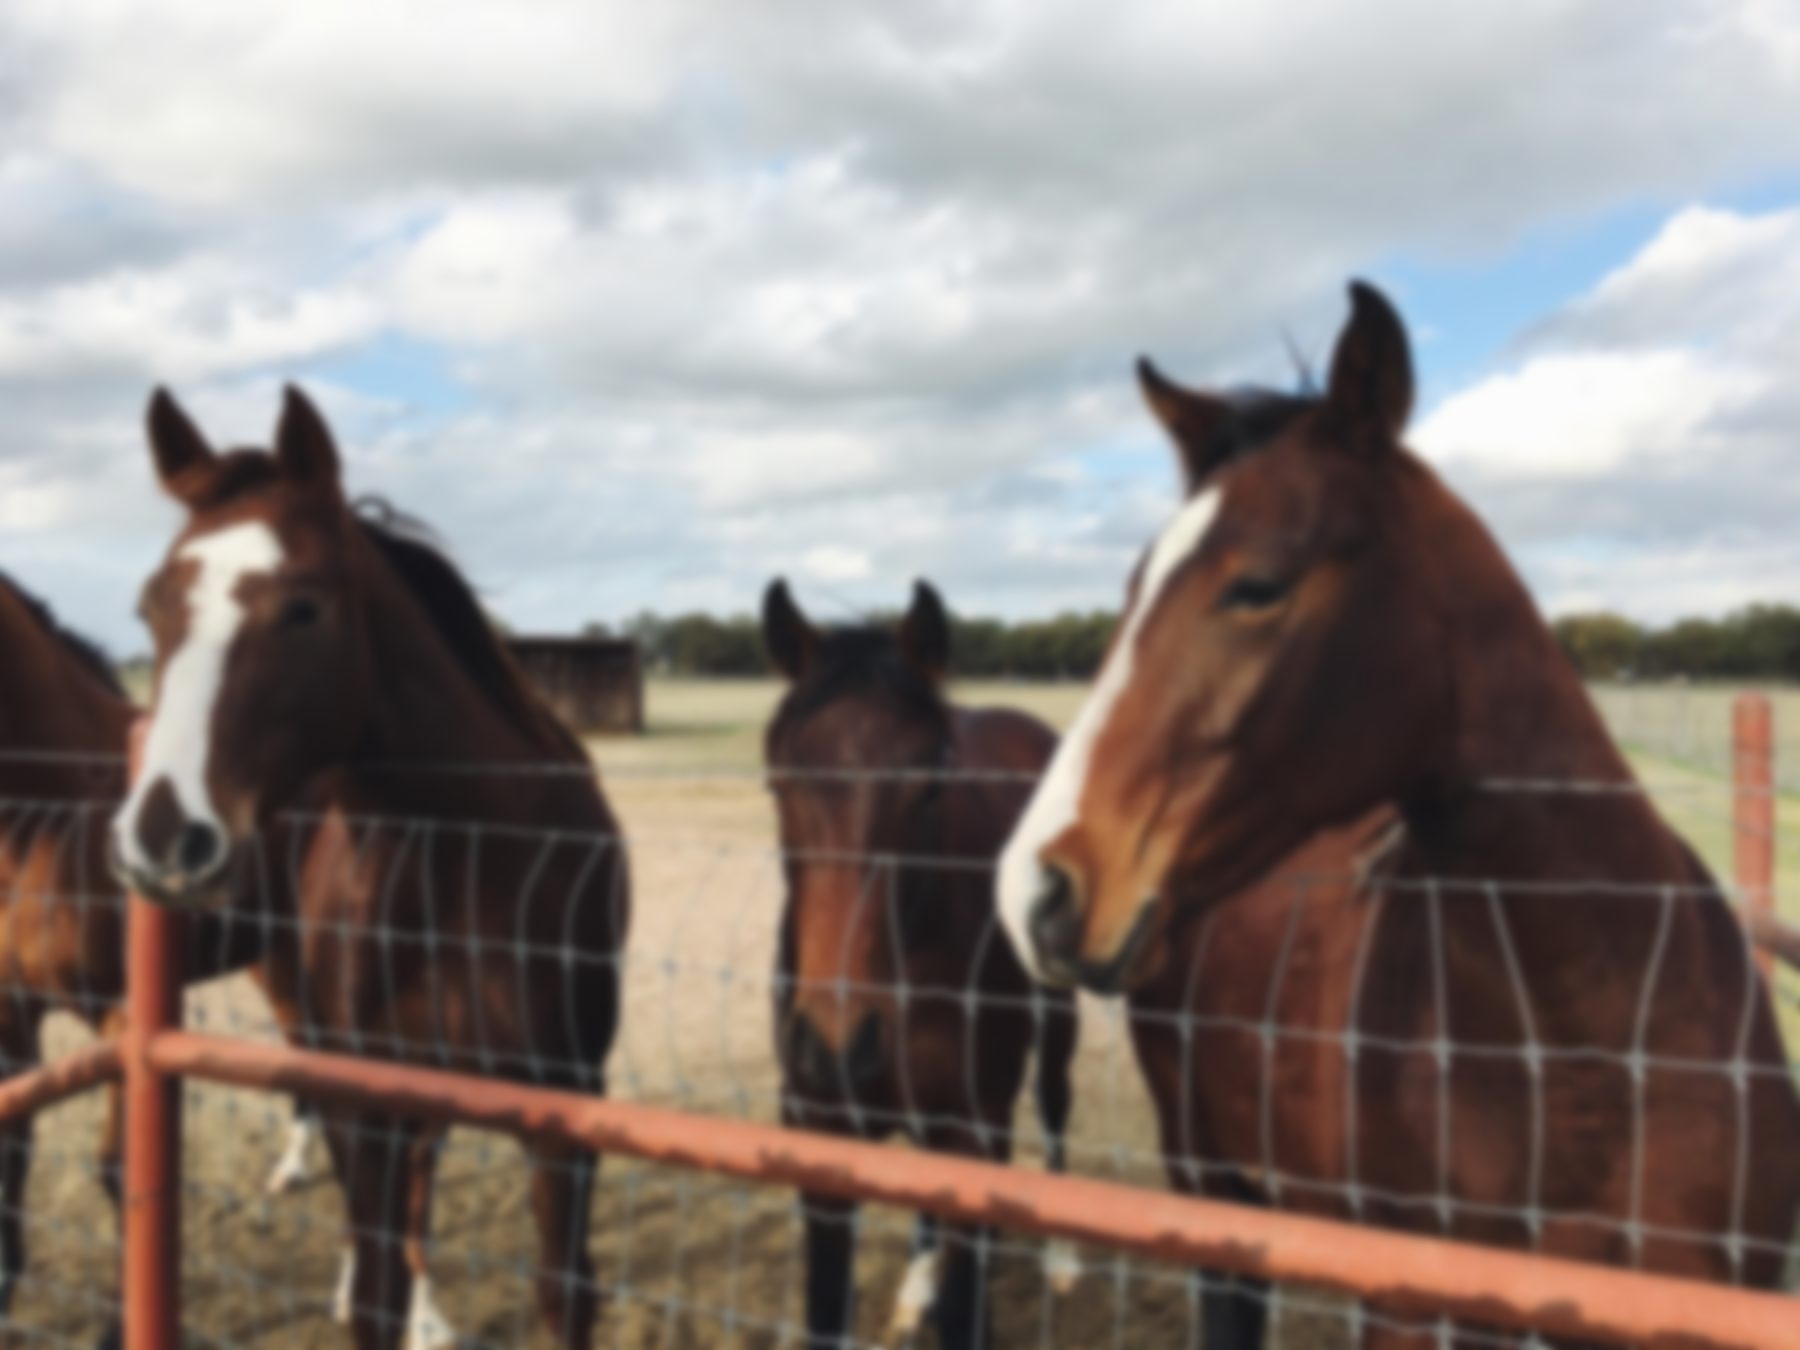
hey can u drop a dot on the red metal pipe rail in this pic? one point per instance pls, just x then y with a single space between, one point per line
151 1297
1753 808
68 1076
1429 1275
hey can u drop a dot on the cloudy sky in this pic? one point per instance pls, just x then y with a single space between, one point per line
640 304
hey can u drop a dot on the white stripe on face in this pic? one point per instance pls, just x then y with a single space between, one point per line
1057 800
180 741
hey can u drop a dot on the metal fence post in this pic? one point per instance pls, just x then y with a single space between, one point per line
151 1298
1753 807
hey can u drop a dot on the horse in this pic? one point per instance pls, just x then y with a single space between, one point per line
899 1006
459 895
1339 803
64 723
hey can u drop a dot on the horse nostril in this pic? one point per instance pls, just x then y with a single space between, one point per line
806 1051
1056 918
863 1060
198 849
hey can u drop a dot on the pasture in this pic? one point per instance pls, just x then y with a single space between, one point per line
688 1260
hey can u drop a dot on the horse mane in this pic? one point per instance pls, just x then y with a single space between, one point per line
86 652
856 658
408 546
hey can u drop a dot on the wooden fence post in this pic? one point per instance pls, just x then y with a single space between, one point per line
1753 807
151 1297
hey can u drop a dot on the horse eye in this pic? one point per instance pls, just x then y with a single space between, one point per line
301 611
1254 593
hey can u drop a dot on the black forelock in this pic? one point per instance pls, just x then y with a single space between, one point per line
856 660
1256 416
236 473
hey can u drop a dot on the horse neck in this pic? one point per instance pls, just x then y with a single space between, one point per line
428 713
51 703
1500 807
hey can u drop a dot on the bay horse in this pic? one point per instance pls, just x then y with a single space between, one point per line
899 1006
64 723
1472 1004
460 896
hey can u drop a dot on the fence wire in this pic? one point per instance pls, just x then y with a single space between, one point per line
682 1259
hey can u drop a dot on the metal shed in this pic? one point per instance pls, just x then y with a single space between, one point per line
596 685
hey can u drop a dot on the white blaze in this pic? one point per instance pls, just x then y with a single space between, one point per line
180 740
1056 801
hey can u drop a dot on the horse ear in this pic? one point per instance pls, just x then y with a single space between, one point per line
788 637
1192 420
182 454
925 632
304 449
1371 387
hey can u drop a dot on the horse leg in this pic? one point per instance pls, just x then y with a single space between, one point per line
293 1168
562 1200
964 1312
112 1156
426 1326
1397 1329
1233 1309
1056 1029
372 1156
19 1046
830 1271
919 1286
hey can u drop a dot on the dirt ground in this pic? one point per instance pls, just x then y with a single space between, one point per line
686 1261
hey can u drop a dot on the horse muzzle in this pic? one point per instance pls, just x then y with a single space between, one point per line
1058 930
186 872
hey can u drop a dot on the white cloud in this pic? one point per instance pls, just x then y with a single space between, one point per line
1641 445
186 321
831 562
1591 415
722 284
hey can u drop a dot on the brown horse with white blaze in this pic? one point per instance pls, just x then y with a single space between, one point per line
64 720
1310 809
899 1005
460 895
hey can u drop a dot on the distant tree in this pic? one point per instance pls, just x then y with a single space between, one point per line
1762 642
1602 646
1692 647
1757 642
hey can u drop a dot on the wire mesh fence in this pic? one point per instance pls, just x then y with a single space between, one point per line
682 1258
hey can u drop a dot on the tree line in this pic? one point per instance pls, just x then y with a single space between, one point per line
1758 642
1067 647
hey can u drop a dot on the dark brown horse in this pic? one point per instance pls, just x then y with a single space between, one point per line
899 1005
459 894
63 725
1510 1013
